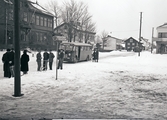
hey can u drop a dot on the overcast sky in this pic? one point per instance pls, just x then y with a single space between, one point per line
122 17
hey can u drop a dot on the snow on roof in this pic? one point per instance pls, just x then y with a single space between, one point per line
39 8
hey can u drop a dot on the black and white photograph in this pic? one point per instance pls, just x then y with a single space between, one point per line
83 59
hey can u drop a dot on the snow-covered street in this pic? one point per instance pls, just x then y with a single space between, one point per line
120 85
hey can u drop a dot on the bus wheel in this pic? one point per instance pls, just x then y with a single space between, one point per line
87 59
75 59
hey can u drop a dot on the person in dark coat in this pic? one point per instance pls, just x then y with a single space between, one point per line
11 63
24 62
6 64
96 55
60 58
39 58
51 57
45 60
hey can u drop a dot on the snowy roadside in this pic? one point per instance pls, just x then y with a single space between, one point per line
120 85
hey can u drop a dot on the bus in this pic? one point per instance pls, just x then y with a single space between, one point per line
75 52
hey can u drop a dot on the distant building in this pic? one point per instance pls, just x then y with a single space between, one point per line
145 43
161 40
131 43
74 33
111 43
36 24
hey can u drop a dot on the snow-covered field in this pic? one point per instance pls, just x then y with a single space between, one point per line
120 85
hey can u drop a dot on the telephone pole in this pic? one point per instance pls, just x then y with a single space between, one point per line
152 40
140 32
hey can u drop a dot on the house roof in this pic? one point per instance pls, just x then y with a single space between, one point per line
73 28
38 8
130 38
112 37
164 25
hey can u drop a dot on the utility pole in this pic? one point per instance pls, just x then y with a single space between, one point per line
152 39
140 31
17 79
6 21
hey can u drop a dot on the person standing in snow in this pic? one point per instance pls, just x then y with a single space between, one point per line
12 62
60 58
39 58
51 57
96 55
45 59
24 62
6 64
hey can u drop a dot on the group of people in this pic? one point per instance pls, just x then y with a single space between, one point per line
8 63
47 57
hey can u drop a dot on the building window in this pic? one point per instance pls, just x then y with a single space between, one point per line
131 40
32 19
49 22
11 15
41 21
23 36
133 43
37 36
162 35
128 44
25 16
45 22
37 20
41 37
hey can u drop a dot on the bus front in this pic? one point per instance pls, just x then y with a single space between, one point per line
68 52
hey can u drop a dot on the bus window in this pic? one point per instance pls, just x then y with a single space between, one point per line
81 48
62 47
69 47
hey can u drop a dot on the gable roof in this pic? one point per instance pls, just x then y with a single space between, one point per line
73 28
111 37
130 38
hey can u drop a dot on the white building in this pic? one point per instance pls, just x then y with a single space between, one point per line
111 43
161 39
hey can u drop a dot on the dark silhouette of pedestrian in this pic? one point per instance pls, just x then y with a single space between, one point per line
6 64
51 57
45 60
96 55
60 58
24 62
39 58
11 63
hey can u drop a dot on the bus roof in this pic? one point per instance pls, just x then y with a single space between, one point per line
76 43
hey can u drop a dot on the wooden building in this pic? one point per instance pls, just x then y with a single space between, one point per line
131 43
74 33
36 25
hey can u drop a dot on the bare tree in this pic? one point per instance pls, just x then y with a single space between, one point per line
55 9
77 12
104 34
